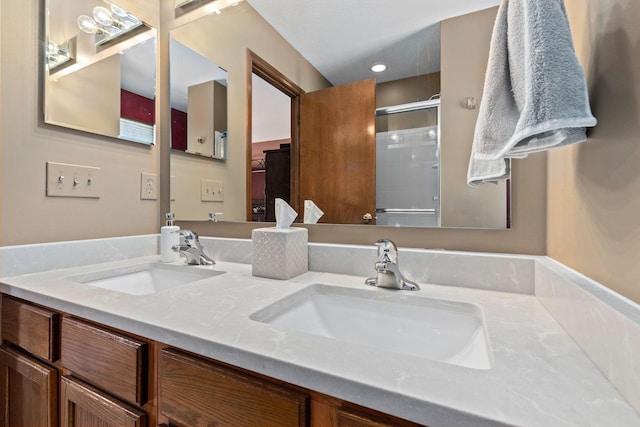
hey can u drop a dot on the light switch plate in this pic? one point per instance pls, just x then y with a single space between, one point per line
218 191
211 191
148 186
67 180
206 190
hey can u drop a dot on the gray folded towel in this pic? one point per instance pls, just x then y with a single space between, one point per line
535 93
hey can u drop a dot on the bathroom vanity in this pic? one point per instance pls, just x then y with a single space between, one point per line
222 349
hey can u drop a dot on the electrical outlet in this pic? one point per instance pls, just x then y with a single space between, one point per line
148 186
65 180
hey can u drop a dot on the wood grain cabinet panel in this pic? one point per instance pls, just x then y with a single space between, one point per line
198 393
29 391
108 360
32 328
348 418
84 406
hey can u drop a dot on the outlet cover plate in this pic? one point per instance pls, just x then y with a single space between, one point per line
148 186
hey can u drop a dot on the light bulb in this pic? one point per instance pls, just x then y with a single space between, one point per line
378 68
102 15
118 11
52 48
87 24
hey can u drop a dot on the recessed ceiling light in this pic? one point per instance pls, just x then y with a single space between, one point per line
378 68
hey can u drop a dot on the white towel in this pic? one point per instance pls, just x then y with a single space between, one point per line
535 93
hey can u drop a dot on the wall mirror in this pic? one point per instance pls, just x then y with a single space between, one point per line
409 163
100 67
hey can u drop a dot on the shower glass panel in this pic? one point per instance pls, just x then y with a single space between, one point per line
408 165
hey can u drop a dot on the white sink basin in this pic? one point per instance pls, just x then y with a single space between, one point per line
434 329
144 279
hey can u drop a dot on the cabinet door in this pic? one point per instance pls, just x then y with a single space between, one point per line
85 406
28 391
197 393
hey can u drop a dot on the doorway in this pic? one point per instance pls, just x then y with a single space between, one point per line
271 79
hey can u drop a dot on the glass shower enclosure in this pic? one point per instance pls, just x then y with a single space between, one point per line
408 164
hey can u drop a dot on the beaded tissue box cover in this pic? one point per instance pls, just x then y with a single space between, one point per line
279 253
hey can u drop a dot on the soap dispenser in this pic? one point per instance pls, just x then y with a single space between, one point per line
169 238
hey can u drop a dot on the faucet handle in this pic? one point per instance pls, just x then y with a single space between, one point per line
189 236
387 250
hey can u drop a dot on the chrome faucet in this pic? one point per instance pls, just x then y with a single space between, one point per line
389 275
192 249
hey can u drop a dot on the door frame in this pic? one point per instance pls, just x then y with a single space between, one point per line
260 67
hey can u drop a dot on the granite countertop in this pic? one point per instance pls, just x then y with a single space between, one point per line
540 377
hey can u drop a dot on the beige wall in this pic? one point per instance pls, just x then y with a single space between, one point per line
76 101
27 144
594 187
28 216
464 56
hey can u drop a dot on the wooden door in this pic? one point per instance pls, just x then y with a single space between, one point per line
29 391
85 406
337 151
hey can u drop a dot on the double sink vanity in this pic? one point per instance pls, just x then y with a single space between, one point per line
488 340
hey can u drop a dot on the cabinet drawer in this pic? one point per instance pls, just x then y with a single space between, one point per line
32 328
350 418
198 393
108 360
83 406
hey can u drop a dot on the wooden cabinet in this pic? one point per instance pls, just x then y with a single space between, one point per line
199 393
111 378
109 360
84 406
29 395
348 418
28 384
277 179
32 328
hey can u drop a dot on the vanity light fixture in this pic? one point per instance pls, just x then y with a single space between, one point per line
378 68
107 25
60 55
215 6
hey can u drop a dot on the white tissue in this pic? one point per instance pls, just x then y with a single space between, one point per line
312 212
284 214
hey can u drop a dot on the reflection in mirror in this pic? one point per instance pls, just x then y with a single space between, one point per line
458 74
101 67
270 149
408 164
198 103
199 126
